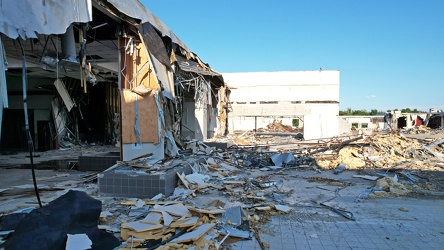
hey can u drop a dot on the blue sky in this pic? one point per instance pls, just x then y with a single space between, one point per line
390 53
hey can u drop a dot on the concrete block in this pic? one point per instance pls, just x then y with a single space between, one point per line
126 182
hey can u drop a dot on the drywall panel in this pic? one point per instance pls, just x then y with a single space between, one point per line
133 150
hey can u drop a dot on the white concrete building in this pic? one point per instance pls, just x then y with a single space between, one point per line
312 97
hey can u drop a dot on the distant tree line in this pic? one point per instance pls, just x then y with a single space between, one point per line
364 112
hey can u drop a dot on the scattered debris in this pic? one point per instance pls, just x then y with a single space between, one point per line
403 209
252 183
339 169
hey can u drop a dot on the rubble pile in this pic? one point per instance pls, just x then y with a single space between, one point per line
277 127
386 151
224 195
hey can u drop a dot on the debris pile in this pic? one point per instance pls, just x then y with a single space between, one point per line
220 196
277 127
385 151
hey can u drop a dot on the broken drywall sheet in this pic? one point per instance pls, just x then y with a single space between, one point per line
197 179
60 118
61 89
78 242
195 234
171 147
138 226
234 215
165 77
279 159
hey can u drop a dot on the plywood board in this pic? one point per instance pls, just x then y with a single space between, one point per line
146 76
195 234
148 117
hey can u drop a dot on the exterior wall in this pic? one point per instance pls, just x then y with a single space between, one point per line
312 96
284 86
364 123
243 123
360 121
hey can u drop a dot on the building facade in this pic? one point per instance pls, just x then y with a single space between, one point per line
309 99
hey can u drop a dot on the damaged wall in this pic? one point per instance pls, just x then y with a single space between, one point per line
312 96
116 72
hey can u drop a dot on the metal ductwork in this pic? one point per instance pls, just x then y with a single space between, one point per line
69 45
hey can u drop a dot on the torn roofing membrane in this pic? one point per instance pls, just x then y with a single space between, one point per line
135 9
31 17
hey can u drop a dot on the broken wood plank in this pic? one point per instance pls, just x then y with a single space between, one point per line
184 182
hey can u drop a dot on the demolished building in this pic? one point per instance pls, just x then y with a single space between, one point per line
97 71
309 99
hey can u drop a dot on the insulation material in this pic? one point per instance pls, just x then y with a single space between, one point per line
148 118
222 112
